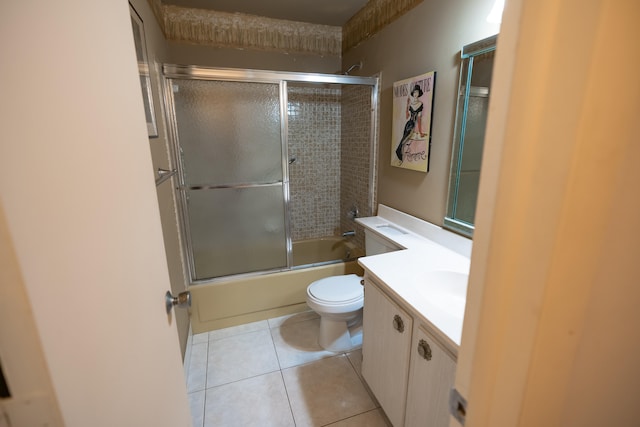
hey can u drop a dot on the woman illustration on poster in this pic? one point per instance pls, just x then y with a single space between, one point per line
414 119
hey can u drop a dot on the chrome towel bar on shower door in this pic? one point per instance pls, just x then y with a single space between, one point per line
217 187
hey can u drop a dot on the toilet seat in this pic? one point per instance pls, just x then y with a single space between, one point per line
337 294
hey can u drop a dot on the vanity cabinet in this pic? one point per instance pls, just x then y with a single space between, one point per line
432 374
406 368
386 343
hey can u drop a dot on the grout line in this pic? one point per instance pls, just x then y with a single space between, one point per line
275 349
187 354
280 369
206 370
352 416
364 383
203 390
192 369
206 379
351 362
330 356
204 408
243 379
286 391
209 339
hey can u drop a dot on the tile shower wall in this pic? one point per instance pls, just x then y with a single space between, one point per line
314 142
356 158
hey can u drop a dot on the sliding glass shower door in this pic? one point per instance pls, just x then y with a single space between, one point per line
236 154
231 153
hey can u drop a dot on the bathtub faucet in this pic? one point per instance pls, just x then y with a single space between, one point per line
353 213
349 233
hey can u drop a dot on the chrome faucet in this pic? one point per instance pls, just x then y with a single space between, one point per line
353 213
349 233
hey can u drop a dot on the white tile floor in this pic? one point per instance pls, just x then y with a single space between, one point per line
273 373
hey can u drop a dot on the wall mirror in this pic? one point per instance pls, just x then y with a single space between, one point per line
476 68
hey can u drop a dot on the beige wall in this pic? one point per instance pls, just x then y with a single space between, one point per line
427 38
189 54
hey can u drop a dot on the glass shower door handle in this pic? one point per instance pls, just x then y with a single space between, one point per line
182 300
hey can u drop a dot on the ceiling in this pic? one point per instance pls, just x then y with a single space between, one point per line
327 12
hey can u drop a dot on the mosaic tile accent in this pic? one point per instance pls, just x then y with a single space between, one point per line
314 141
355 167
329 136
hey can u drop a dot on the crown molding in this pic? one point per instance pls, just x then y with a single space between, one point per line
372 18
244 31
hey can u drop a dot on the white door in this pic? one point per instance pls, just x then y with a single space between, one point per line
552 307
78 196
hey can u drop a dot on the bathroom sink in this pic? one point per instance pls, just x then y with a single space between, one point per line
445 289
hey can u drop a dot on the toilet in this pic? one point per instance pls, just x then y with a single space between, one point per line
338 300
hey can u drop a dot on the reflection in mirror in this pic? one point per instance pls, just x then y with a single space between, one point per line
471 117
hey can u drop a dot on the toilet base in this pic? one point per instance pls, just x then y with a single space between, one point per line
336 336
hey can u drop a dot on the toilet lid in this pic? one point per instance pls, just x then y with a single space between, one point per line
337 288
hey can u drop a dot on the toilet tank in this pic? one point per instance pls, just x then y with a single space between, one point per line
375 244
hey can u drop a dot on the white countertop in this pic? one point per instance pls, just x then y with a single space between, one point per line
433 262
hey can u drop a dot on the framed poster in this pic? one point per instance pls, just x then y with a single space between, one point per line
411 127
143 69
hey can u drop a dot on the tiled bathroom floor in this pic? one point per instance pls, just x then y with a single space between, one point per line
273 373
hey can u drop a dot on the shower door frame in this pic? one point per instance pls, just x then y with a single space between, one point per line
190 72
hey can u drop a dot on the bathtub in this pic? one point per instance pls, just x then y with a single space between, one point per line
312 252
233 301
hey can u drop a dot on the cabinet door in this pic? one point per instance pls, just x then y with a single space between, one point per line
432 376
386 342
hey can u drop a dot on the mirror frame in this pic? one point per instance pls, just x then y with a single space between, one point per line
467 55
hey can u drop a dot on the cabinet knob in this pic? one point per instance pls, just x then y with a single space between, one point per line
398 323
424 350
